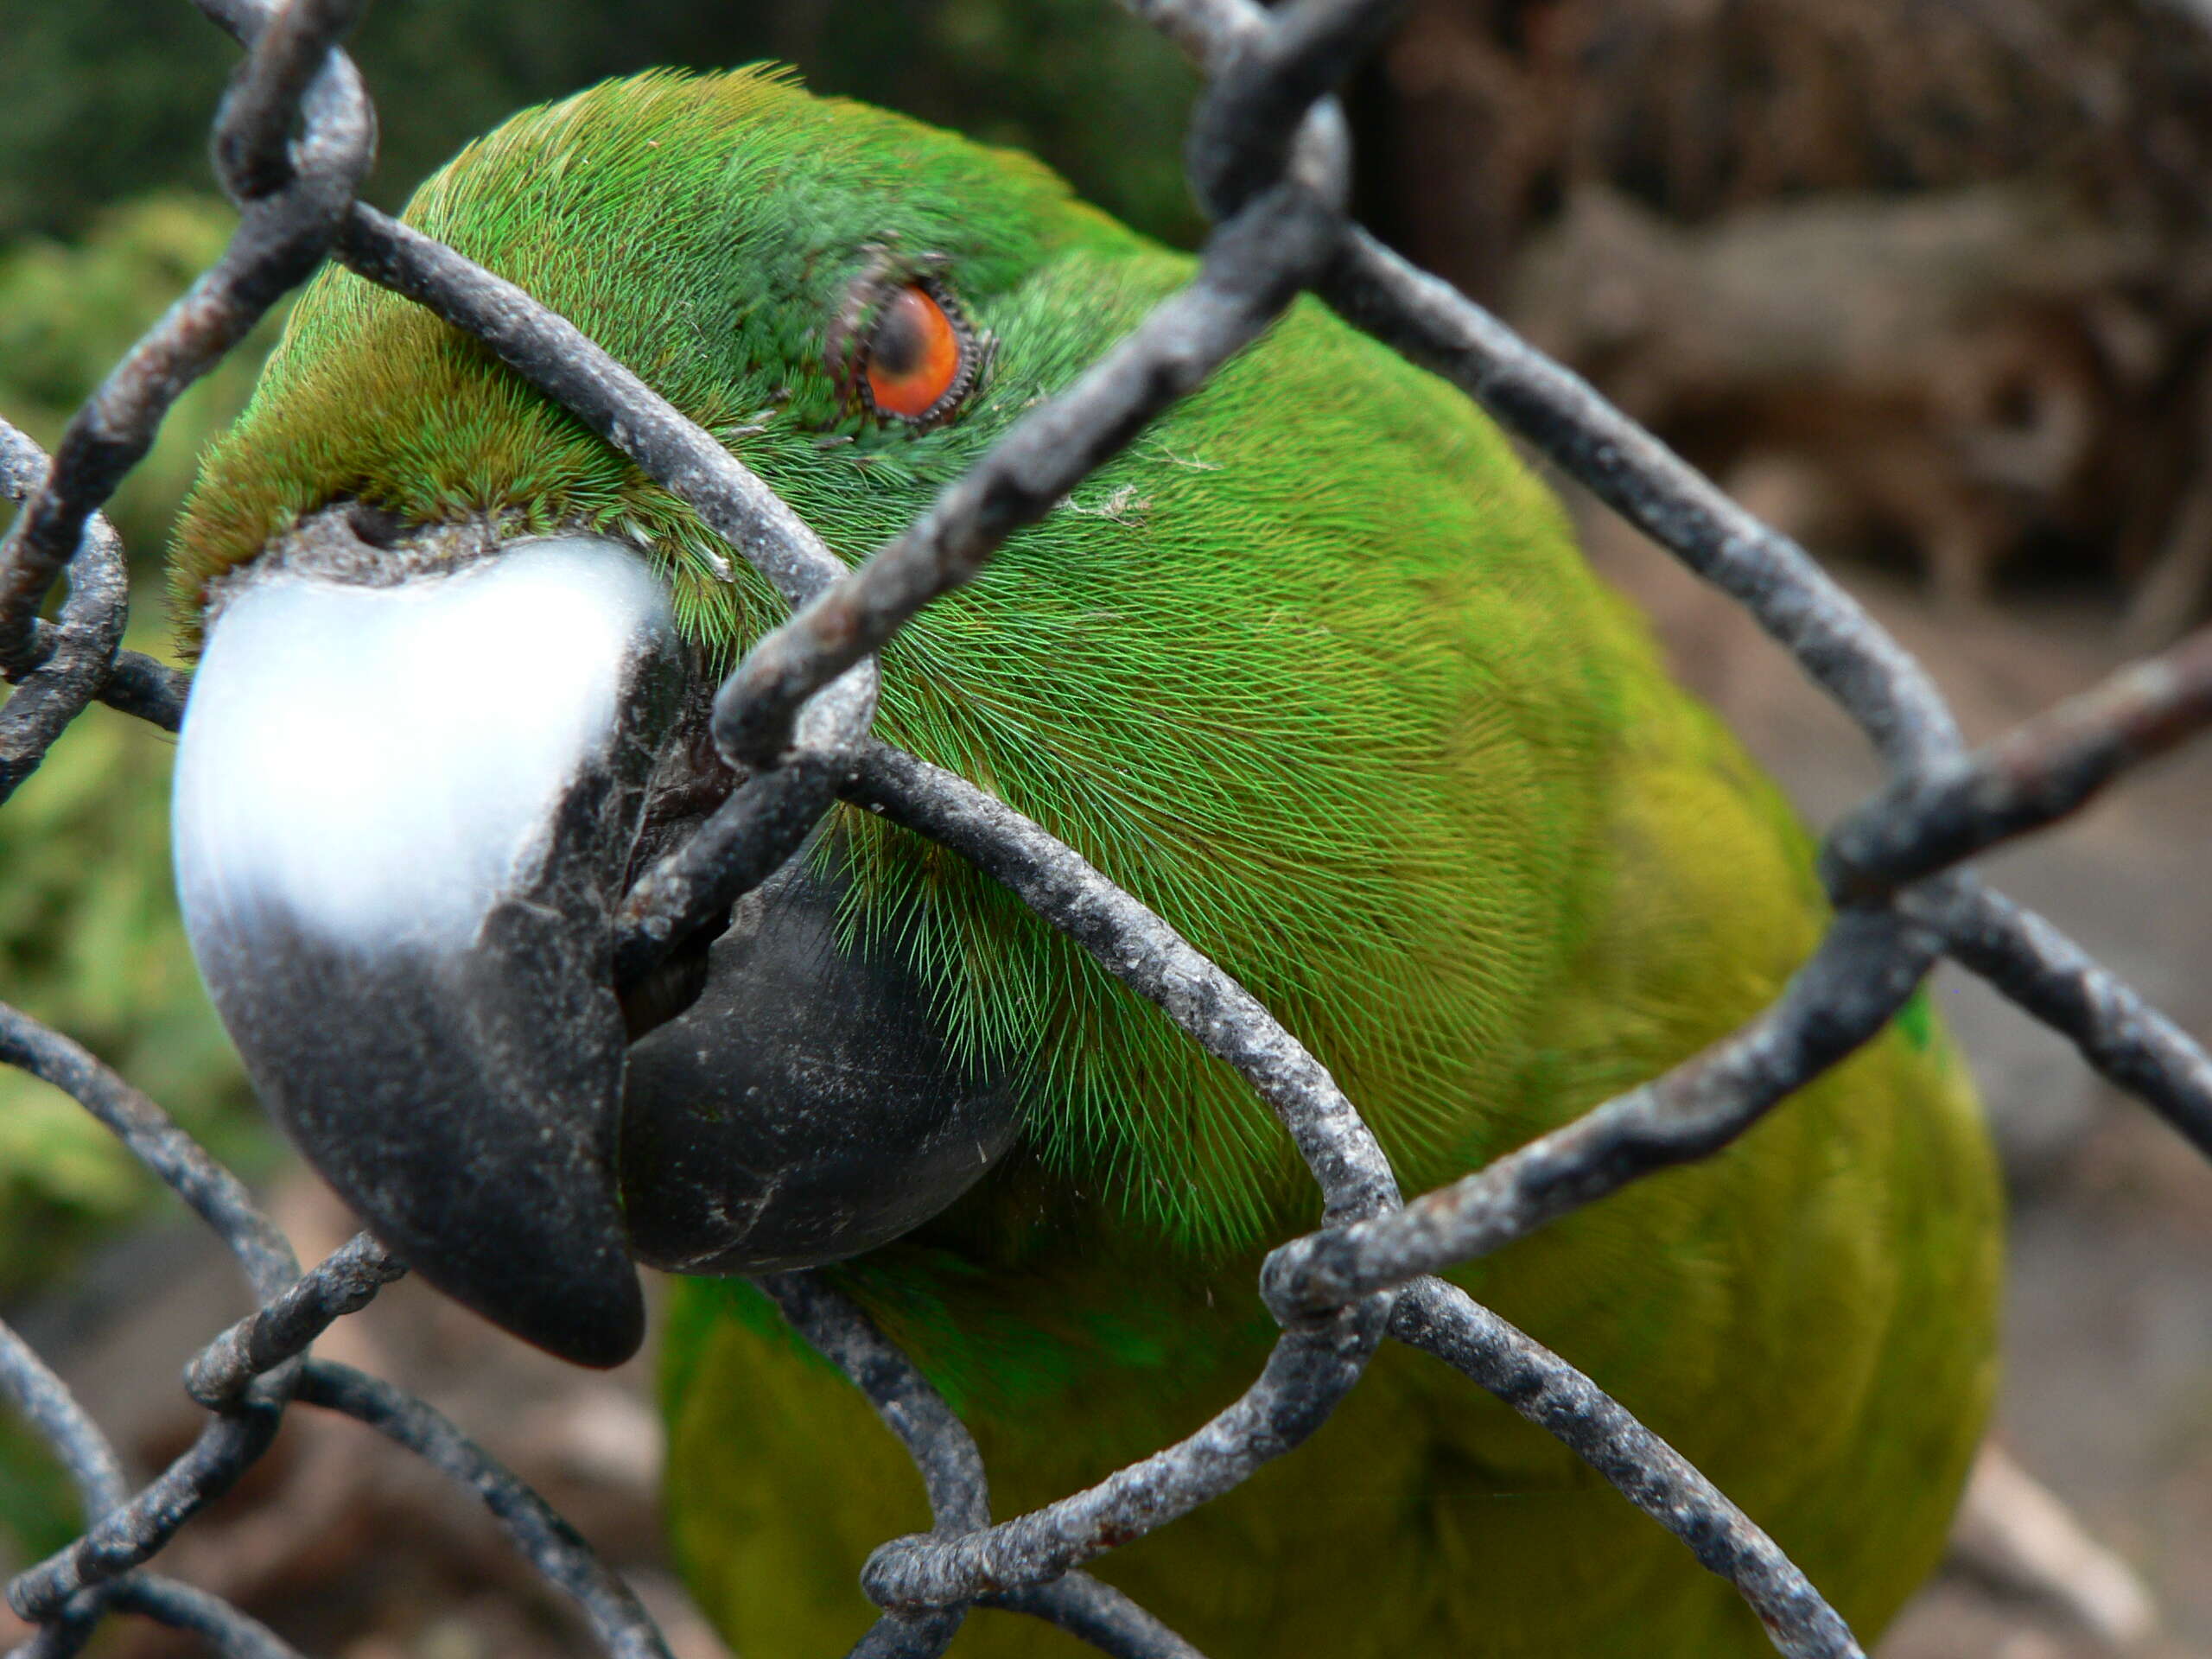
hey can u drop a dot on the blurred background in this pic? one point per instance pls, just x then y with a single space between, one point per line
1926 282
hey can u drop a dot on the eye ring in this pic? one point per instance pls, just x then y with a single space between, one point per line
914 357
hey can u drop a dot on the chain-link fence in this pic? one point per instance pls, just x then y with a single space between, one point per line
1269 162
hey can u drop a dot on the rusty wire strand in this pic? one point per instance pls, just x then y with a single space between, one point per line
213 1193
1093 1611
1860 975
2042 771
537 1532
1551 1394
959 1491
45 1403
944 1452
1267 153
1307 1375
82 646
228 1631
344 1282
125 1537
2052 979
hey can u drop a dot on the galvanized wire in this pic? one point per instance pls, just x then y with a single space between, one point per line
293 138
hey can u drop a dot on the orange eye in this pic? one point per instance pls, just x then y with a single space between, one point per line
914 356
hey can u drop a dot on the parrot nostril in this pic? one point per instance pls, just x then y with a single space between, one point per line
375 526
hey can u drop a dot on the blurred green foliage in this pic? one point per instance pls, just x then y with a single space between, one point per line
90 942
68 311
110 99
90 938
39 1512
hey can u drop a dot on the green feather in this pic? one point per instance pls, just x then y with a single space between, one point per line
1314 670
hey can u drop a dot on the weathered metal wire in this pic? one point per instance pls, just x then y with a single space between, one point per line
44 1401
213 1193
1268 156
1097 1613
1943 814
182 1607
943 1450
1551 1394
63 664
959 1491
1861 975
133 683
549 1543
2052 979
344 1282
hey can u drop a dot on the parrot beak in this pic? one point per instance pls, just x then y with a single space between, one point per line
409 790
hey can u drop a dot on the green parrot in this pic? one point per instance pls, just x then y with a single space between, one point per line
1313 669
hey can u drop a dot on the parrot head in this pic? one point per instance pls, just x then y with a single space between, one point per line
456 655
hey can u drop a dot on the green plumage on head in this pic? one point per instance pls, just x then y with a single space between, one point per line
1315 670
